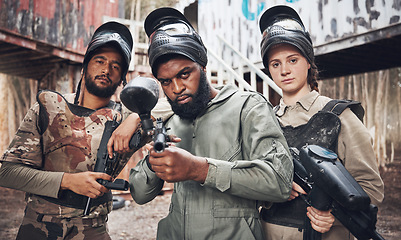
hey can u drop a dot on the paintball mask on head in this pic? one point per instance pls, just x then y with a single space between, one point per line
282 24
113 34
170 32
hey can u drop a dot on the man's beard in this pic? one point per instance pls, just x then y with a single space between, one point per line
104 92
192 109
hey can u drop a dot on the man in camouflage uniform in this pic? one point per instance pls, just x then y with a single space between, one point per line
53 154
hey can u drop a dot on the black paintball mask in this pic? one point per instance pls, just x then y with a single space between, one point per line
170 32
282 24
112 34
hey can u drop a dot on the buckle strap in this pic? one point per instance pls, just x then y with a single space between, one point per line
68 198
92 222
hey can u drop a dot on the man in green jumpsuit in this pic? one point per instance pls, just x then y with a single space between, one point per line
232 153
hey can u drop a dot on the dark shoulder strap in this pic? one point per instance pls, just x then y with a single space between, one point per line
337 106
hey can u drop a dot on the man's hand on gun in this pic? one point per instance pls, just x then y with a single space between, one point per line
175 164
85 183
120 139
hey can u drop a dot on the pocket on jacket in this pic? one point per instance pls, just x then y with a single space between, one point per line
236 225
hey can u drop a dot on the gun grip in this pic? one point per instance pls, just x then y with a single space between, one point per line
118 184
320 199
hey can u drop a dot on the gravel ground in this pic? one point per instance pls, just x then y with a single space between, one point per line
134 222
138 222
131 222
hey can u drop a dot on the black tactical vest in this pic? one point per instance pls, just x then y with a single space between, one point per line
322 129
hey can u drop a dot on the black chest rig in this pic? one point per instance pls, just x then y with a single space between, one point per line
322 129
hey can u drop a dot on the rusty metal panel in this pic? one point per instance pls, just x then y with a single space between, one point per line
66 24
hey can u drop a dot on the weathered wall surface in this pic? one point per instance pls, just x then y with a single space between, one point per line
67 24
18 94
380 95
326 20
16 97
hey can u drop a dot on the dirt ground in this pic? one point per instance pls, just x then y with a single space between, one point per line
139 222
389 218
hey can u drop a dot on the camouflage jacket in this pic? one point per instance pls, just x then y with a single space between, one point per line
58 136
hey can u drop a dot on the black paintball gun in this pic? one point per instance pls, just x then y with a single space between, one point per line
330 186
111 166
140 95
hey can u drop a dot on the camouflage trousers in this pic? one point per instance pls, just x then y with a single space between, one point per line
36 226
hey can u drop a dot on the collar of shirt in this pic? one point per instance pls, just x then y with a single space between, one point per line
305 102
224 93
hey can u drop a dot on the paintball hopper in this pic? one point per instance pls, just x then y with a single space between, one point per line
333 187
330 175
140 95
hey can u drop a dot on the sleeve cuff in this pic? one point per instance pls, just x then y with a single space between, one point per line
150 174
219 174
54 189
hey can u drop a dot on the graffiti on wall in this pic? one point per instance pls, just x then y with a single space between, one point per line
254 15
249 15
327 21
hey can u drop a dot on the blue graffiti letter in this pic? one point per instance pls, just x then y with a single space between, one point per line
251 15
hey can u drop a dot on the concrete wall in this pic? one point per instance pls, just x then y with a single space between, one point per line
326 20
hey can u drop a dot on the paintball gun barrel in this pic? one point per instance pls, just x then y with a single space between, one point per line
160 137
330 186
140 95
